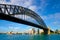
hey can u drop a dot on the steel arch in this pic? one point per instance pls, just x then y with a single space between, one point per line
19 10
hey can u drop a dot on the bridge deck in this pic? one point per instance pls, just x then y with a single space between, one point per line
13 19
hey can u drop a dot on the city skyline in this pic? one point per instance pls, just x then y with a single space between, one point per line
49 10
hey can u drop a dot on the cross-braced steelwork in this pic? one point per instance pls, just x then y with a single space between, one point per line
13 10
18 10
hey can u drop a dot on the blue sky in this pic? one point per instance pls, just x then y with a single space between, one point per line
49 10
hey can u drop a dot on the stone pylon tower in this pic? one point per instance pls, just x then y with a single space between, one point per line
48 30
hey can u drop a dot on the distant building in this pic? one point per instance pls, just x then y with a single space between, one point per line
10 32
57 31
38 31
32 31
41 31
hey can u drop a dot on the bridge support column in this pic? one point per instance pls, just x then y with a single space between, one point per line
47 31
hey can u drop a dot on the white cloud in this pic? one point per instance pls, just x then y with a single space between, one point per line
24 3
55 16
44 17
42 6
53 19
11 28
28 4
57 23
2 1
33 8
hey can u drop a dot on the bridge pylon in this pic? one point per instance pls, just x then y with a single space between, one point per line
47 31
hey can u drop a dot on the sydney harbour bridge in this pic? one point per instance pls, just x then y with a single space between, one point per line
21 15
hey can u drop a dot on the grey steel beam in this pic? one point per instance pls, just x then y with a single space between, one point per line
13 19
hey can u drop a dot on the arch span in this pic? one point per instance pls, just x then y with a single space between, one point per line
19 10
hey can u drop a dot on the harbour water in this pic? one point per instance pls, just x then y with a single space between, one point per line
29 37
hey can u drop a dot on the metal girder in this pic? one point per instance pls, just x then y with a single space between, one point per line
13 19
7 10
18 10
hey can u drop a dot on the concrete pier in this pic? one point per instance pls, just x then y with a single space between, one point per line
47 31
